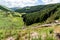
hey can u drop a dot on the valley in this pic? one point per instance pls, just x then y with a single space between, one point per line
41 22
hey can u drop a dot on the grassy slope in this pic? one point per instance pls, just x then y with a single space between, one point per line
10 26
10 20
22 34
5 8
8 23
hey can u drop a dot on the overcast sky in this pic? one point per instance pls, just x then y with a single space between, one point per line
23 3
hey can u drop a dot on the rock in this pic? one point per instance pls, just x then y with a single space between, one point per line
46 25
10 38
58 35
56 21
34 35
43 36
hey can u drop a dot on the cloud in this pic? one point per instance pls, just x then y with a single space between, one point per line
16 3
50 1
23 3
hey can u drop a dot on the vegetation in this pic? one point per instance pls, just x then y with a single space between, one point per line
43 15
4 8
30 9
10 20
12 24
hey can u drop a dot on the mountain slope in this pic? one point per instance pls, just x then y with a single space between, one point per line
5 8
48 13
30 9
9 18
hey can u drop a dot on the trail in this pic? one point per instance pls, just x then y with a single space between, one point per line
56 22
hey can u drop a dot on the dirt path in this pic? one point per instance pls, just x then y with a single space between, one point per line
56 22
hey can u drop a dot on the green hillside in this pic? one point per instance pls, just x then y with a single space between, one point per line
30 9
9 18
47 15
5 8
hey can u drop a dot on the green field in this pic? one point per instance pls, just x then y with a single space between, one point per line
10 20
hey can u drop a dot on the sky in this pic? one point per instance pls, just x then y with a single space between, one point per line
24 3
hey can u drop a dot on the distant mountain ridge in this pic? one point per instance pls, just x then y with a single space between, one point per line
15 8
4 8
30 9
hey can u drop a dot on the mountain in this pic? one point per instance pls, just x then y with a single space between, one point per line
45 14
15 8
30 9
4 8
